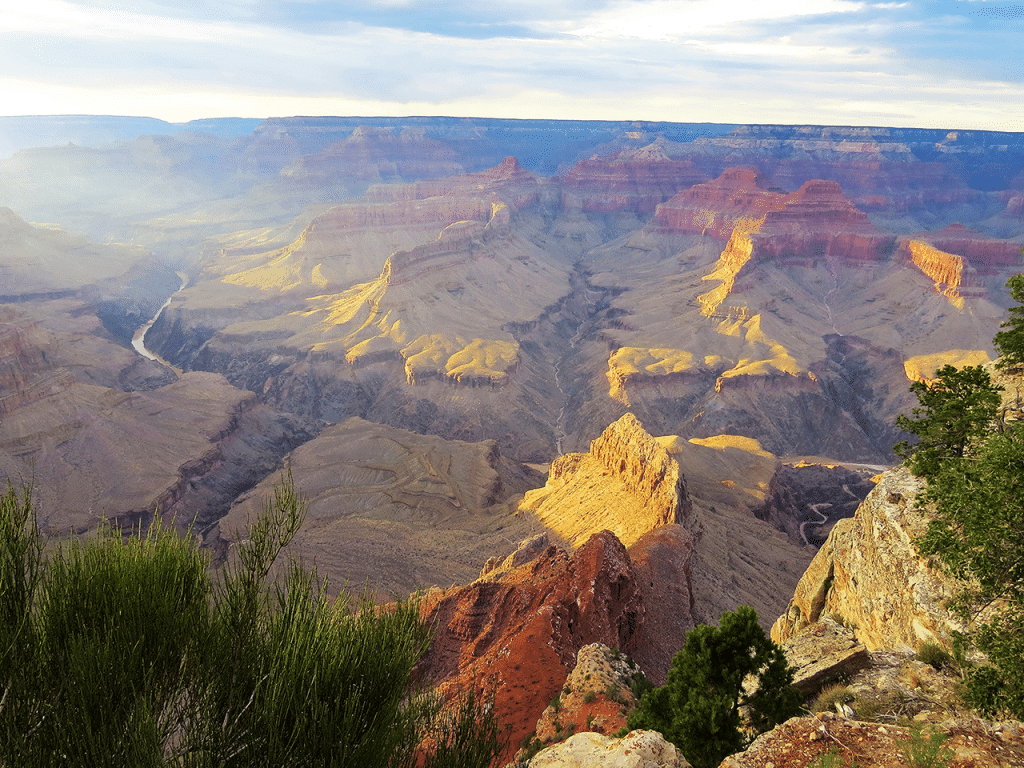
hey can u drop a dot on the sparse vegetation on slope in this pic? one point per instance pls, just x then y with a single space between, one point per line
123 651
975 474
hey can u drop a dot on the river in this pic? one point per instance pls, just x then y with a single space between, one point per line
139 339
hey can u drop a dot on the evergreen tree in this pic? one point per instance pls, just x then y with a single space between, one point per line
956 408
698 709
977 534
1010 343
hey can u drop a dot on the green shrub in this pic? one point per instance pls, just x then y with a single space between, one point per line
589 697
926 750
934 654
556 703
698 709
612 691
829 696
122 652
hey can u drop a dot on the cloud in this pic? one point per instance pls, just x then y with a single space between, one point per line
821 61
671 19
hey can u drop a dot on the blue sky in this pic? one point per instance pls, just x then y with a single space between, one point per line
842 62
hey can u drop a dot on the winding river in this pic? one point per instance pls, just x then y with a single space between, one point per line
139 339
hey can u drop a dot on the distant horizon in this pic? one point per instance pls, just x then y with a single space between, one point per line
951 64
340 116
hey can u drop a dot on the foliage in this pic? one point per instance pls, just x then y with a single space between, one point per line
639 685
976 535
1010 343
160 667
956 408
926 750
934 655
698 709
829 696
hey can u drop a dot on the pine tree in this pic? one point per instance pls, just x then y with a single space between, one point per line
1010 343
956 408
698 709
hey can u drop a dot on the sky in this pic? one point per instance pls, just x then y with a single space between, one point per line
835 62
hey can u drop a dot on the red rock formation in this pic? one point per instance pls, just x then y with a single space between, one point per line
517 630
634 182
517 633
819 220
740 196
661 559
984 253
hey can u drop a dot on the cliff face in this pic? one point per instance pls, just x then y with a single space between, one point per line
635 181
628 483
819 220
517 632
738 198
868 571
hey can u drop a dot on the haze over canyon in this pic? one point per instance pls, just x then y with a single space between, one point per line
478 343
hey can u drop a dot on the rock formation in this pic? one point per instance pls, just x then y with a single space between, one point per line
639 749
804 740
596 696
517 634
869 573
628 484
632 181
739 199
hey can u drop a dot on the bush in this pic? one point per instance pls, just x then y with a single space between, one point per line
160 667
1010 343
926 750
934 654
829 696
589 697
956 410
698 709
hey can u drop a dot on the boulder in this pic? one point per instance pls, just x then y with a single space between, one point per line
639 749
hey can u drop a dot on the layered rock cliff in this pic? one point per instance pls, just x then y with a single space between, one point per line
869 573
633 181
627 483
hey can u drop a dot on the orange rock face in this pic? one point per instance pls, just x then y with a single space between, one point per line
983 253
516 632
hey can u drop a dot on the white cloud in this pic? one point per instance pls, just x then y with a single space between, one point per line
670 19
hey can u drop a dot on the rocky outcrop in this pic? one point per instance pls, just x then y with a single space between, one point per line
517 634
869 573
983 252
823 652
739 198
628 483
596 697
819 221
806 741
639 749
635 181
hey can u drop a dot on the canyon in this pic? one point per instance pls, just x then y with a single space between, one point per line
571 382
